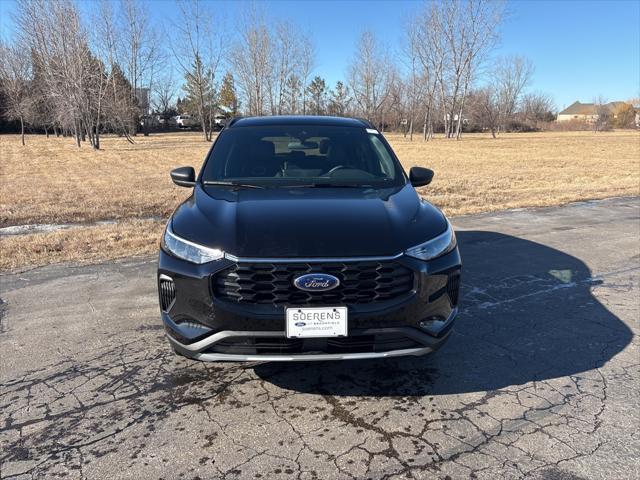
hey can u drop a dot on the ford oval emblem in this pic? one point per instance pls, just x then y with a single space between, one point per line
316 282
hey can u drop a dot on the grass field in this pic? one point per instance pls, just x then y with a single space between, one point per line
52 181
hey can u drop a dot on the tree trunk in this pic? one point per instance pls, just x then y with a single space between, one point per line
77 133
459 126
22 130
424 127
46 131
203 121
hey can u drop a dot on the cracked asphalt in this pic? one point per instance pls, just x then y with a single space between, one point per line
540 378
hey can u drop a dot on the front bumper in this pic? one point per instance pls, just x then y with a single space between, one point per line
201 325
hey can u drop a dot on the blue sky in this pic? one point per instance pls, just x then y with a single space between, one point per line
580 49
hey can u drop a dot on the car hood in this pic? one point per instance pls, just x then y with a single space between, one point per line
308 222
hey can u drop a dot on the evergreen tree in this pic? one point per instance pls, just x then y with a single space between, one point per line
317 91
200 100
339 100
293 89
228 97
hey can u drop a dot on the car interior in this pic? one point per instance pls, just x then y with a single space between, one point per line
277 157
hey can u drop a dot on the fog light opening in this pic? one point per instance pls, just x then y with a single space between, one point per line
167 290
433 325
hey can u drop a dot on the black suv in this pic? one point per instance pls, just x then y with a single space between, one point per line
305 240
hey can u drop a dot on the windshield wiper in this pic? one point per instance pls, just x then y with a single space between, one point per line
230 184
328 185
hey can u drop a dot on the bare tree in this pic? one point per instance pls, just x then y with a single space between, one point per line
164 94
370 77
307 63
199 57
511 76
73 78
120 110
602 114
271 63
15 83
286 55
410 51
447 43
470 30
449 40
250 58
536 108
139 53
484 107
430 47
393 109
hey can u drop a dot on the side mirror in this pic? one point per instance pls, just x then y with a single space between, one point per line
184 176
419 176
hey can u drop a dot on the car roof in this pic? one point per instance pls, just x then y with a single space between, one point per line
298 120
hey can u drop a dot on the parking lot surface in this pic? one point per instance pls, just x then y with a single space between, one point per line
540 378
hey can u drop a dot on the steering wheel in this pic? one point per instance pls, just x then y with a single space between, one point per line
336 168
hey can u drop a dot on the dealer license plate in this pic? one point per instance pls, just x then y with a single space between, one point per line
316 322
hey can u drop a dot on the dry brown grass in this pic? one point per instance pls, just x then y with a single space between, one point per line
52 181
482 174
80 245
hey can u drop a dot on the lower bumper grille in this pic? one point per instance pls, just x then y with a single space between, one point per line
453 288
257 346
370 343
279 345
272 283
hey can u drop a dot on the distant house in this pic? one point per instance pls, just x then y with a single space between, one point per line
465 119
587 111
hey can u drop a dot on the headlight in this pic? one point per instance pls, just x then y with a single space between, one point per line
189 251
443 243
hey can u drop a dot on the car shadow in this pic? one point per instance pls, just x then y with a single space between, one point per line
527 314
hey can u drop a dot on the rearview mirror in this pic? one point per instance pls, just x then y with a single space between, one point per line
184 176
419 176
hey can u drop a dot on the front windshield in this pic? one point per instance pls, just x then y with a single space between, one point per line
302 155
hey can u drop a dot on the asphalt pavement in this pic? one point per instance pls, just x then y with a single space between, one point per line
540 378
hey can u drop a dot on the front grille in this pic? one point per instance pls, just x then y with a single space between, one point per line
167 291
453 288
272 283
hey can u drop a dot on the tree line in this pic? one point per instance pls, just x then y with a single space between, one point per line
82 73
